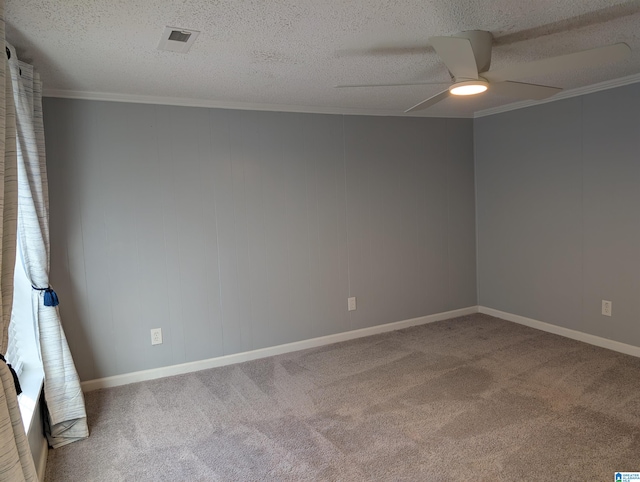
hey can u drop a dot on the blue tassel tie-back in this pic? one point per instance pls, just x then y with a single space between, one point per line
50 296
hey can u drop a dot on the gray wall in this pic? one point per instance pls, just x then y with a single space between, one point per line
558 212
236 230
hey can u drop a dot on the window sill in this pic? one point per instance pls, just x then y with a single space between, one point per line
31 380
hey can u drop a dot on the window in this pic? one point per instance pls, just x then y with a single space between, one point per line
23 351
13 350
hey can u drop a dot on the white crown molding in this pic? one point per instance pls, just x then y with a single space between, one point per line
565 94
190 102
172 370
562 331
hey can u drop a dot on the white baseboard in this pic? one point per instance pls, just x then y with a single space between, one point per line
154 373
172 370
41 465
566 332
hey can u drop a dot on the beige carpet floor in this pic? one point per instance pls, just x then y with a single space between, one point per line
472 398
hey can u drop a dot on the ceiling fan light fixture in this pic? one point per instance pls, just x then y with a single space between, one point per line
469 87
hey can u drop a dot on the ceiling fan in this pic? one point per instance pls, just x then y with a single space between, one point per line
467 55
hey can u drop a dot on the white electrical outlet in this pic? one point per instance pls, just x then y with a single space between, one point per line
156 336
351 303
607 307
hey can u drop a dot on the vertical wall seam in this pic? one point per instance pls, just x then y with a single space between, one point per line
108 274
179 244
336 185
164 238
263 219
246 223
202 215
135 214
84 256
287 226
309 303
235 230
475 207
582 213
346 209
317 233
448 301
215 220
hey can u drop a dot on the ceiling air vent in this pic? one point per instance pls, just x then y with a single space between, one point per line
177 39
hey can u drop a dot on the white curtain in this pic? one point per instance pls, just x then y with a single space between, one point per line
16 462
66 419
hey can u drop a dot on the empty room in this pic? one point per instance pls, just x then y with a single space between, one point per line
309 240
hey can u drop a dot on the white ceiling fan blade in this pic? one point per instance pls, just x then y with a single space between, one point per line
524 91
390 85
429 102
575 61
457 54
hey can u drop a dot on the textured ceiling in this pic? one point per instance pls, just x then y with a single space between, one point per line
288 54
